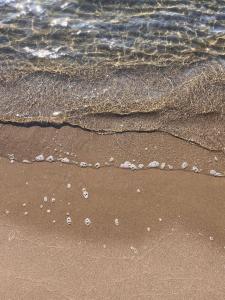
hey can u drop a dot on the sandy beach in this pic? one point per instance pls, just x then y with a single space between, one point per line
105 232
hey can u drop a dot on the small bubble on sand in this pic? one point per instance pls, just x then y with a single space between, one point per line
40 157
97 165
133 249
85 193
68 220
87 221
24 204
68 185
148 229
45 198
50 158
116 221
53 200
48 211
138 190
211 238
160 219
184 165
153 164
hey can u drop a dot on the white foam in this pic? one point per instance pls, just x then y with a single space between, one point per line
65 160
83 164
40 157
50 158
215 173
128 165
195 169
154 164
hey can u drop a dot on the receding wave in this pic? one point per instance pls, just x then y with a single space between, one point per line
186 101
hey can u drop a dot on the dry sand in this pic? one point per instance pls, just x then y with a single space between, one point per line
154 234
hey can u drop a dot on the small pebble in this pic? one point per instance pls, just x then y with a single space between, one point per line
41 206
53 221
53 200
138 190
7 211
83 164
211 238
68 220
68 185
26 213
116 221
160 219
45 198
111 159
24 204
48 211
148 229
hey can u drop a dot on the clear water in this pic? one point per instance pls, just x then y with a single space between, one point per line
117 32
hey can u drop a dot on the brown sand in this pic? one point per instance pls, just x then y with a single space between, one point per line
169 239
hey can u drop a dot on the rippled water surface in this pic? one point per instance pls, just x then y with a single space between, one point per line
154 31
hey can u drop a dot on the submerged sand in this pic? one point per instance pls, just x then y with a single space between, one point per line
154 234
186 101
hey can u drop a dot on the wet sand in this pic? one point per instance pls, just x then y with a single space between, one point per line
153 234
